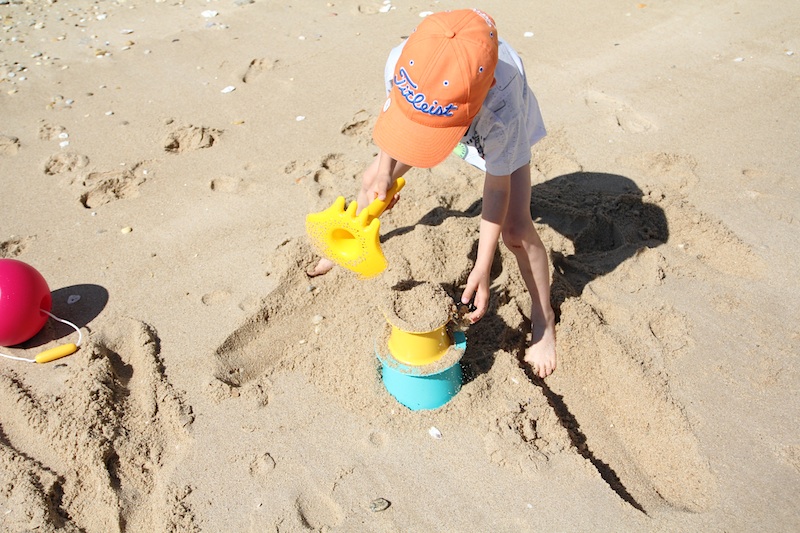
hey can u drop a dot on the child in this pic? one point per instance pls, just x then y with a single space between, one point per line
454 83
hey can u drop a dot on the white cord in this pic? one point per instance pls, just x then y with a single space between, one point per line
17 358
67 322
54 317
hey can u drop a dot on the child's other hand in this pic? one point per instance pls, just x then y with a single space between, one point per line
477 286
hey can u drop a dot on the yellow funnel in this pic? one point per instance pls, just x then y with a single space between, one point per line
417 349
348 240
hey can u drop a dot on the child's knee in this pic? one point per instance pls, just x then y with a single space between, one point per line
513 236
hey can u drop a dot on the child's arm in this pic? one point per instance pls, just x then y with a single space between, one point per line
378 178
496 191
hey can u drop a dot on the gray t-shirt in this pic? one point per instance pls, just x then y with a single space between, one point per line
509 122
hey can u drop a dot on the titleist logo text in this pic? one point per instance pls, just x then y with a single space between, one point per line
418 100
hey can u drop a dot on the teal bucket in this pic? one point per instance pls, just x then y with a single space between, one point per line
419 388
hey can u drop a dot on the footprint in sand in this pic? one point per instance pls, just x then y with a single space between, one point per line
9 145
359 127
82 450
50 132
226 184
311 511
262 466
215 297
515 440
107 187
378 438
317 511
327 179
622 116
65 162
331 167
13 247
371 9
257 67
179 514
189 138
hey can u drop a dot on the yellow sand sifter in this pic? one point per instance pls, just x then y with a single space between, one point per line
352 241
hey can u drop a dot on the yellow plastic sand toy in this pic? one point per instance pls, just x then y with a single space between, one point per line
352 241
417 349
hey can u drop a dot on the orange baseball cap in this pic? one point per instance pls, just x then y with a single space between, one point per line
440 80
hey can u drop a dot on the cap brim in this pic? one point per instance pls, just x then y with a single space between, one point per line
411 143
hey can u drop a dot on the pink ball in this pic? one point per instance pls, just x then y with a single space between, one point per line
23 293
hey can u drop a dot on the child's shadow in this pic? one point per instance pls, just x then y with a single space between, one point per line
606 219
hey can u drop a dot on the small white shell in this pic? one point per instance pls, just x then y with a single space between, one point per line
228 89
209 14
435 433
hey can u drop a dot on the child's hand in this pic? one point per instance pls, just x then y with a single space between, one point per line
477 286
379 187
377 180
375 188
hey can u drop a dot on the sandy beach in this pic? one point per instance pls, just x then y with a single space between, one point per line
157 163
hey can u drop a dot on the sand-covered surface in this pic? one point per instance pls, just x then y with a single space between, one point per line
158 158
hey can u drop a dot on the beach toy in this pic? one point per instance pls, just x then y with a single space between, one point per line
25 304
429 386
434 375
352 241
418 348
24 301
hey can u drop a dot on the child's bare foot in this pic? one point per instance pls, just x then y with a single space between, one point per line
323 267
541 354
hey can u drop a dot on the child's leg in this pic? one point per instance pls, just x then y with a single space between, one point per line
520 236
